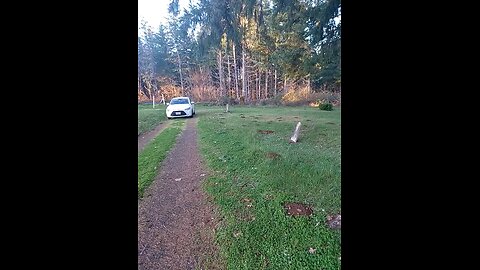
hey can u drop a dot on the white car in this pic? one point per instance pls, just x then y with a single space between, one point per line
180 107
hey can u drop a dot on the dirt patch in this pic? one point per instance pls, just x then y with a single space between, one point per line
144 139
265 131
334 221
273 155
246 200
176 221
297 209
243 214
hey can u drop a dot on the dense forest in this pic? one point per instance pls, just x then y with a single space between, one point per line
246 51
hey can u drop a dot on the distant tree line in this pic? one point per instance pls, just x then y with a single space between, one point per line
243 51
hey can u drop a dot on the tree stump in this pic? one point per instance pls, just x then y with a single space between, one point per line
294 138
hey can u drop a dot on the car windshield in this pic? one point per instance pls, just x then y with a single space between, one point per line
179 101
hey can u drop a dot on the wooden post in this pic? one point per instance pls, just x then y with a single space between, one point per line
226 110
294 138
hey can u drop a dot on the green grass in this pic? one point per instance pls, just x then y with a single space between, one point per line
149 118
250 188
149 160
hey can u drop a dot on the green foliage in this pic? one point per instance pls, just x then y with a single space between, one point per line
298 39
326 106
328 97
227 100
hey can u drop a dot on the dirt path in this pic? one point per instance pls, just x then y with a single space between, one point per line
144 139
175 220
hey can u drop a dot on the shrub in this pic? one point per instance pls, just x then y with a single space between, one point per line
326 106
328 97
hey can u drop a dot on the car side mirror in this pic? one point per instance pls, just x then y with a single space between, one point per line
168 103
193 102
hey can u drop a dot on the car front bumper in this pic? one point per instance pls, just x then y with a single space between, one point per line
181 113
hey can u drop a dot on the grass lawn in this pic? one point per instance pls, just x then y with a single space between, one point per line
255 173
149 118
149 160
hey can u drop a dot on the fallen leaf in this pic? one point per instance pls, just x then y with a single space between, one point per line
178 179
202 174
237 234
312 250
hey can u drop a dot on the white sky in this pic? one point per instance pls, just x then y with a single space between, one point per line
156 11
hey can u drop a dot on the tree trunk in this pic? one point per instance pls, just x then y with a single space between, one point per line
236 72
220 74
275 82
259 84
308 85
180 71
229 76
256 84
294 138
266 84
244 89
138 83
150 92
153 100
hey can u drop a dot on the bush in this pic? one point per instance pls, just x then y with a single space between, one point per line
326 106
328 97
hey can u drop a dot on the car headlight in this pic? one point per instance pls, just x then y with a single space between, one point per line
188 108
